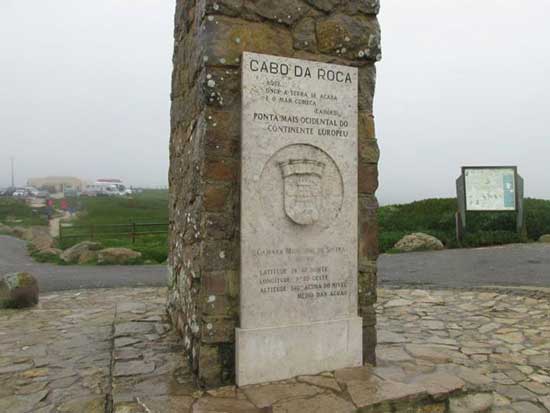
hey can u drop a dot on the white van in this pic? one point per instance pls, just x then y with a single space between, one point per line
111 187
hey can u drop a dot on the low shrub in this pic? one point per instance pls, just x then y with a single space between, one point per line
437 217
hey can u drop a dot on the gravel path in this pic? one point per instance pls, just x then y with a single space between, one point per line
510 265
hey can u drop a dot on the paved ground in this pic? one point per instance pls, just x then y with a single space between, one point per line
510 265
500 342
14 257
114 352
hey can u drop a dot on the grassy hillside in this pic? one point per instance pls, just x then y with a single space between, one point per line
432 216
15 211
437 217
151 206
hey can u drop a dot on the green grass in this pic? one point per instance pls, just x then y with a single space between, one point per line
437 217
432 216
15 212
151 206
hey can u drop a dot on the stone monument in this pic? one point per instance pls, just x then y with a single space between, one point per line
273 241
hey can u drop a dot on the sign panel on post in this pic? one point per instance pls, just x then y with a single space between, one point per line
490 188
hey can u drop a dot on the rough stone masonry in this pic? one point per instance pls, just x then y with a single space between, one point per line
210 38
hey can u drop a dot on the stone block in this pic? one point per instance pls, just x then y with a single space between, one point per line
324 5
215 197
218 329
367 82
18 290
227 38
218 226
226 7
371 7
304 35
289 351
368 178
366 127
281 11
352 37
224 170
209 365
214 283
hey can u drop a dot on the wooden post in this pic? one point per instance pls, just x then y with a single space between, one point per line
460 216
459 228
520 219
133 233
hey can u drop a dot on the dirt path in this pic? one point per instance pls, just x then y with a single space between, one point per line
54 222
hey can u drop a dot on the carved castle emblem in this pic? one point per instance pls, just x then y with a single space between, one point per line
302 180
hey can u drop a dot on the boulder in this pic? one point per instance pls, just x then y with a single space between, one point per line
418 242
18 290
72 255
545 238
4 229
22 232
88 257
47 254
117 256
41 240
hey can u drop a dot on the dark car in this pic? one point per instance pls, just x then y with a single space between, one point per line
8 191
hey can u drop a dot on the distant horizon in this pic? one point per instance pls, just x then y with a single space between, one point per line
86 92
450 194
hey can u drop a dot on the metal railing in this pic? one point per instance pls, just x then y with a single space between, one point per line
97 231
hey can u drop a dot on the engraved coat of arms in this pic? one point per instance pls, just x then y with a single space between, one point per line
302 180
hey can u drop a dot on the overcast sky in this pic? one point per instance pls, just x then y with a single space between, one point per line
84 91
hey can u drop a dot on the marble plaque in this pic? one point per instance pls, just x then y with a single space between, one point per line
298 295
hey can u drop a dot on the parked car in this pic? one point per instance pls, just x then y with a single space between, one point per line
42 194
37 193
20 193
8 191
112 187
109 190
70 192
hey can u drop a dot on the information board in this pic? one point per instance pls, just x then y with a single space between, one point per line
490 189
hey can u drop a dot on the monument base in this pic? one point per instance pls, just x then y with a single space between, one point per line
279 353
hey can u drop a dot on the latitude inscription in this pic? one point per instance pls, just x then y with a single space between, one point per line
298 219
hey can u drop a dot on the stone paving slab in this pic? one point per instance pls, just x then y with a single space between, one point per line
492 341
439 351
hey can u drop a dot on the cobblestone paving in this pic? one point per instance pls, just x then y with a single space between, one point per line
495 341
112 351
